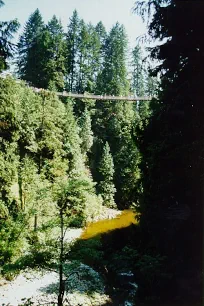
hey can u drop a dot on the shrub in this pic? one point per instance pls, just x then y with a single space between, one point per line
88 251
13 241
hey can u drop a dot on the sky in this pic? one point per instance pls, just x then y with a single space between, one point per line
107 11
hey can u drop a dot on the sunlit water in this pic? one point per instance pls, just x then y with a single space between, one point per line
125 219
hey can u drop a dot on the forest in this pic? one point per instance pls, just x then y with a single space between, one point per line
127 176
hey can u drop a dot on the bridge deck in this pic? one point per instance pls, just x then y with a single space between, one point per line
98 97
89 96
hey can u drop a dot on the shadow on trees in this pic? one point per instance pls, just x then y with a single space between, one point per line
117 253
130 250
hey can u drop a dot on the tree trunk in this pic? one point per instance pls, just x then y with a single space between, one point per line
35 222
20 179
61 283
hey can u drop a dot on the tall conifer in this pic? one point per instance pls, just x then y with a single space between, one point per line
7 30
106 169
72 52
113 77
28 61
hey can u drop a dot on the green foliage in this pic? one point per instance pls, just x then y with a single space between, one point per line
152 84
72 52
36 196
8 172
86 133
102 35
138 84
7 48
83 53
89 278
124 260
113 77
72 142
40 251
149 269
152 268
29 59
95 61
89 57
54 66
71 196
88 251
40 147
106 170
114 121
12 243
50 147
41 59
143 81
111 255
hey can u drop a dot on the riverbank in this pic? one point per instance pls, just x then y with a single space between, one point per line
40 287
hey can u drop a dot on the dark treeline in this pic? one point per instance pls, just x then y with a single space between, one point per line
172 146
69 158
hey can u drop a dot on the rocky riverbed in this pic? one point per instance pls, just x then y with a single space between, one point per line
84 286
41 288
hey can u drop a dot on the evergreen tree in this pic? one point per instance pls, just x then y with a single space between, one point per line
102 36
72 52
55 65
113 120
151 86
70 194
113 78
144 113
172 144
40 149
89 49
42 53
72 143
7 30
137 85
86 133
76 169
106 169
29 63
94 58
83 57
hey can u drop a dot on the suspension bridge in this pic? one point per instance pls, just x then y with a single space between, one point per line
87 95
96 97
103 97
